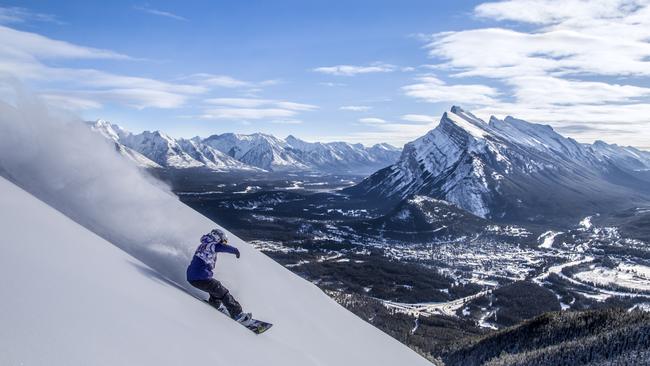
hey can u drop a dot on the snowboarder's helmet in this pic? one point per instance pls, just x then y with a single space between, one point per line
219 235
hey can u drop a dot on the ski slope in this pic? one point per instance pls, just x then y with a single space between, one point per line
70 297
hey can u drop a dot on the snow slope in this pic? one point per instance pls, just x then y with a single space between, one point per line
71 297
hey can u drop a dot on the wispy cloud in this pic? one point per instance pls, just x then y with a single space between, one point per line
355 108
396 133
331 84
420 118
16 14
225 81
254 108
287 122
256 102
372 121
35 58
574 63
161 13
433 90
246 113
28 47
352 70
32 57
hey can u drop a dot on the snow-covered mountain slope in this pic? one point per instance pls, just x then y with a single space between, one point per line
254 152
93 263
272 153
72 298
160 148
212 158
261 150
624 156
113 133
505 169
157 149
343 156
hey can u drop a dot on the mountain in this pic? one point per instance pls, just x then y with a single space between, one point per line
510 169
211 158
157 149
343 156
261 150
633 160
292 154
422 218
254 152
113 133
160 148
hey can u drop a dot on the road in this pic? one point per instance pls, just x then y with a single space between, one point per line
433 308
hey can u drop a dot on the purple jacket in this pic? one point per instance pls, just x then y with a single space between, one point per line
205 258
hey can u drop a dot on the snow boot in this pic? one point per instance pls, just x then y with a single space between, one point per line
244 319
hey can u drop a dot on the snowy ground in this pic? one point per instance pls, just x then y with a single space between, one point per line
83 301
629 276
93 261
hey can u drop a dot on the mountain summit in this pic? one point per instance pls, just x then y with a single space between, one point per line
511 169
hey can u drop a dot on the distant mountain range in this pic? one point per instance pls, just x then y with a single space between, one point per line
255 152
512 169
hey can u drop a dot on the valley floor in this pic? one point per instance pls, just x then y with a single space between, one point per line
417 290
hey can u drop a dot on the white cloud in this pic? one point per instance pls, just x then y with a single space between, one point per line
393 133
575 62
16 14
287 122
222 81
25 46
70 102
239 102
257 102
547 90
372 120
246 113
420 118
352 70
573 37
331 84
295 106
30 57
161 13
554 11
355 108
433 90
225 81
254 108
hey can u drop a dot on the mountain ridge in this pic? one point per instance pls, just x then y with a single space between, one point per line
257 152
509 169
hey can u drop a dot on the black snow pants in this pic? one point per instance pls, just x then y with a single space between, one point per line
219 294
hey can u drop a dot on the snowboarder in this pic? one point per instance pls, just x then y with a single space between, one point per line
199 274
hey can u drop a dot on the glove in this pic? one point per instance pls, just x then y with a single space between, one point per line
237 254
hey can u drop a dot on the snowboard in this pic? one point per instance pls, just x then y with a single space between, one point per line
255 326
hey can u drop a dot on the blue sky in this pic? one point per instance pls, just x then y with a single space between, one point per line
360 71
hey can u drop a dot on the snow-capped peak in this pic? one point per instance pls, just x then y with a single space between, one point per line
496 169
292 153
466 122
537 136
109 130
